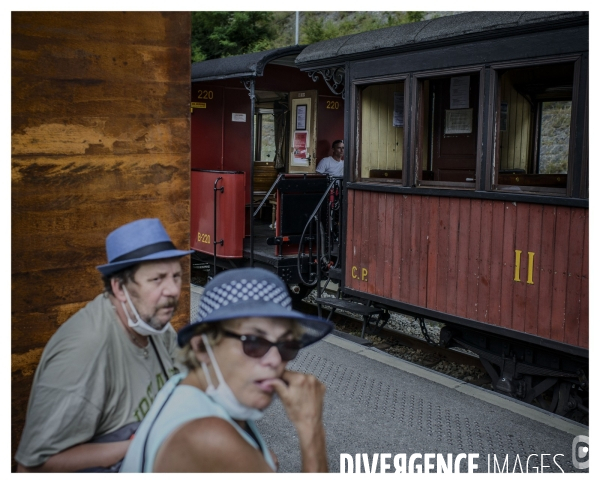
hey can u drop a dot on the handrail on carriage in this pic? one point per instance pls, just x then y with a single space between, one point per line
264 200
315 216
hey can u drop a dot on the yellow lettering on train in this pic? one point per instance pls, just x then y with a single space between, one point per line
364 274
203 238
530 268
530 256
203 94
354 271
517 265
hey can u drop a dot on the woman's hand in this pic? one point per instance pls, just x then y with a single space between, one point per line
302 397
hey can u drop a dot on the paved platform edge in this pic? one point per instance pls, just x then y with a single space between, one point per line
507 403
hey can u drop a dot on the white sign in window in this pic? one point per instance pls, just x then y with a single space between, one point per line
459 121
459 92
301 116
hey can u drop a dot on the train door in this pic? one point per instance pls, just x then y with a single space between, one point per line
270 140
303 132
455 104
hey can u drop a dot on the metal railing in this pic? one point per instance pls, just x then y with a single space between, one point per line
321 236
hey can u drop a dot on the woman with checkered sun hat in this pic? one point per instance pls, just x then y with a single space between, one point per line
236 353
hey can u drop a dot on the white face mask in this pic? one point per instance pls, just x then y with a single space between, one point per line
223 394
139 325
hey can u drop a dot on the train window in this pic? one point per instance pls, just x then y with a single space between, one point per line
448 129
265 135
533 127
381 146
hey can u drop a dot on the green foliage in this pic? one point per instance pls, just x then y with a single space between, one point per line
315 27
284 24
223 34
414 16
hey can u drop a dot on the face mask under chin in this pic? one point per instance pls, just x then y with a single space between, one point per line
139 325
223 394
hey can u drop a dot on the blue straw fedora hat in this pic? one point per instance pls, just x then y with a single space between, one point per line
139 241
248 293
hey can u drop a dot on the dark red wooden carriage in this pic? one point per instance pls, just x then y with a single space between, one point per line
466 194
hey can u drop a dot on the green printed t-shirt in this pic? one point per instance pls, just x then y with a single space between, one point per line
91 381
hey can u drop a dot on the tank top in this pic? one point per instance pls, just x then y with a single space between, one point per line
174 406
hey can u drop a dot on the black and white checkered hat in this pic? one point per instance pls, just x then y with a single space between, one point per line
248 293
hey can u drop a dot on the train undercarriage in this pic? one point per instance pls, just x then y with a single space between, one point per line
552 380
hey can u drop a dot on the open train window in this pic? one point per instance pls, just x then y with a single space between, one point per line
270 138
381 137
448 129
533 127
265 135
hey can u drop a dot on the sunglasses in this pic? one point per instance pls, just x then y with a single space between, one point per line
257 347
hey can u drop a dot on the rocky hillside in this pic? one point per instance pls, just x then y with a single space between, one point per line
316 26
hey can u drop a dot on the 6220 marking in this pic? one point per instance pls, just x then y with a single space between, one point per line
204 238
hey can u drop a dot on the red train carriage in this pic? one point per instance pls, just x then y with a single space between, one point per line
466 194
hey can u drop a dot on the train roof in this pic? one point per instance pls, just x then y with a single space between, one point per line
247 65
451 28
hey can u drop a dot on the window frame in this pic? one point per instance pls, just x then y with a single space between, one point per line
495 102
419 130
359 86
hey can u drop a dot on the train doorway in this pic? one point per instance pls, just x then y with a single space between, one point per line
259 116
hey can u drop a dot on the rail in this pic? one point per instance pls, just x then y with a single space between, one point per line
215 242
264 200
327 228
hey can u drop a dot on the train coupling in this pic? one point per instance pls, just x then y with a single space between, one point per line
446 337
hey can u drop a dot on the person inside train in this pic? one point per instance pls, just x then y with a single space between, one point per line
236 352
100 371
333 165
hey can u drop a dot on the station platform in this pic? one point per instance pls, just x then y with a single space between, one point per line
379 404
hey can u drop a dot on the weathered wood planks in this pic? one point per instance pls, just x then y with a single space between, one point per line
100 137
458 256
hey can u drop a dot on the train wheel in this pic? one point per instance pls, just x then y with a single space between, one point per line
572 402
565 399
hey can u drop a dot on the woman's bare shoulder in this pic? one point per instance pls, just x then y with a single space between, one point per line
209 444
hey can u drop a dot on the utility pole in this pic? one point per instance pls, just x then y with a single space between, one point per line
297 26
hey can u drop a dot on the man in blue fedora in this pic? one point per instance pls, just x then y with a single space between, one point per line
100 372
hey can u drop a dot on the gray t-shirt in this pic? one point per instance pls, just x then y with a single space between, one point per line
91 381
330 166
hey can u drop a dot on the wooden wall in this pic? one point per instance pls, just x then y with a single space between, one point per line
100 137
515 141
457 256
382 144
